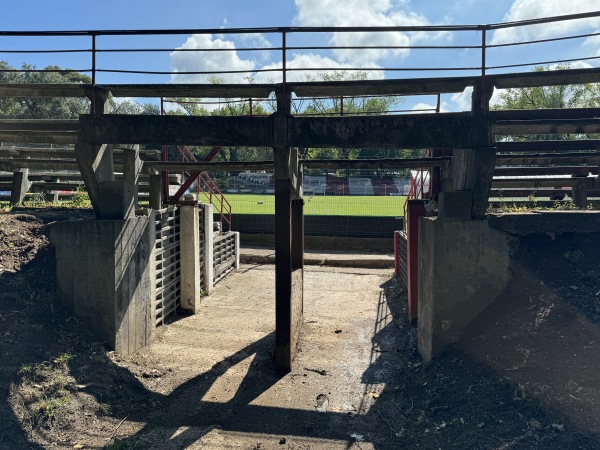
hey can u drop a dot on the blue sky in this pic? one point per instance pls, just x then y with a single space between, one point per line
199 14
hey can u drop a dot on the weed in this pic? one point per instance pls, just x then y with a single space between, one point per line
104 409
63 358
36 372
48 408
36 200
81 198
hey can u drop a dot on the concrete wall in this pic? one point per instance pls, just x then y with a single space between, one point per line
104 277
331 226
463 268
325 243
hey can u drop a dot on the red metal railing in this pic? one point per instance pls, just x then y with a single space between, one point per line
205 185
418 181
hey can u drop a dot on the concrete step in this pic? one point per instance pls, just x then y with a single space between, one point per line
263 255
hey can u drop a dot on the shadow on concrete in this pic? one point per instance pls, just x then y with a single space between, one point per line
455 402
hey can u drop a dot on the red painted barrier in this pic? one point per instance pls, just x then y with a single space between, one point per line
415 209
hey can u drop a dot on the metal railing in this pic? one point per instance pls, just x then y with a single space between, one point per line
206 188
89 48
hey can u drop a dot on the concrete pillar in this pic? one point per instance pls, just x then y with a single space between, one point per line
463 268
473 170
237 249
20 186
55 193
155 195
104 276
209 277
132 166
580 198
191 292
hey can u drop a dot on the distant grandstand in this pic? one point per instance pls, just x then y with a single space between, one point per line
327 184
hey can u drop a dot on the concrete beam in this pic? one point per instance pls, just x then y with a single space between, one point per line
382 87
542 126
182 130
406 131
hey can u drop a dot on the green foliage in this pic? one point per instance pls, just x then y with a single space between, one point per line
133 108
42 108
80 199
49 407
44 388
56 108
313 106
549 97
104 409
63 358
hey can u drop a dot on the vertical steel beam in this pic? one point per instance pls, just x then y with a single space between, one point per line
289 239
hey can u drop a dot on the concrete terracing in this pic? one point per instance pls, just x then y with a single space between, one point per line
469 141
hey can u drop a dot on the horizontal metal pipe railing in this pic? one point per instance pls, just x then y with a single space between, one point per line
478 64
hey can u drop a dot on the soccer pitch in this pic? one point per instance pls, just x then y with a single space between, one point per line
355 205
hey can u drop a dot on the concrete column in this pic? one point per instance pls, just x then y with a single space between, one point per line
55 193
190 258
104 276
132 166
237 249
20 186
463 268
209 277
580 198
155 195
473 170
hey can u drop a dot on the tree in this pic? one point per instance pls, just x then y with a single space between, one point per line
132 107
548 97
223 107
41 108
56 108
353 105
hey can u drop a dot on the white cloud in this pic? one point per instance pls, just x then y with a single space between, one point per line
532 9
307 61
594 41
462 100
427 108
211 61
353 13
457 102
309 13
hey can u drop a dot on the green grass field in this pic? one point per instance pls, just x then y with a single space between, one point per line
390 206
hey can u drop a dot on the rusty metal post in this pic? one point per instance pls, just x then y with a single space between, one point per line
416 209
